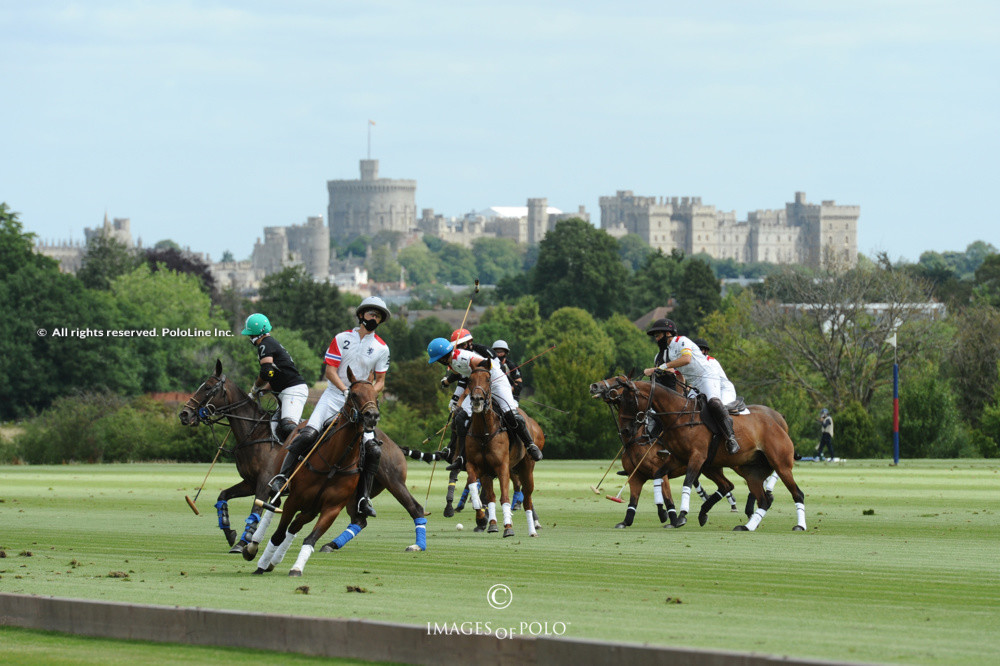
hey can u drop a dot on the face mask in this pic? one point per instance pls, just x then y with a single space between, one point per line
663 342
369 324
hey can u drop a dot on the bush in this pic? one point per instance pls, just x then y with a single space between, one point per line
854 434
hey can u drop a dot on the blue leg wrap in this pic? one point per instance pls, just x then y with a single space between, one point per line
421 524
251 527
345 536
223 510
465 496
518 498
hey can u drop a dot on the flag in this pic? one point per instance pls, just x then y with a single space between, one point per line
371 122
892 340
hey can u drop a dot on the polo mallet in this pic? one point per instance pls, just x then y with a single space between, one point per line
530 360
597 488
270 506
434 465
191 502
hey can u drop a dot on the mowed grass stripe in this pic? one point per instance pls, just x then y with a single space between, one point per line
914 583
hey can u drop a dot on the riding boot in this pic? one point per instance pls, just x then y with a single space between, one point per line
373 453
286 428
726 423
461 430
521 429
298 448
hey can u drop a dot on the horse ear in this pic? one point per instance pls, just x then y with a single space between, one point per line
350 375
218 366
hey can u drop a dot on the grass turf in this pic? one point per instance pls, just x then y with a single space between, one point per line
898 564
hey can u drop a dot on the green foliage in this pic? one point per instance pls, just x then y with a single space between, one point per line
987 281
974 353
17 247
578 266
855 435
929 423
699 295
318 310
421 265
497 258
634 251
458 265
655 283
103 427
582 355
105 260
415 407
407 342
382 267
634 349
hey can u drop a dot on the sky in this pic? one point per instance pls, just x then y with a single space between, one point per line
203 122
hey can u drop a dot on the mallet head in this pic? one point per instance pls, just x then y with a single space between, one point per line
191 504
615 499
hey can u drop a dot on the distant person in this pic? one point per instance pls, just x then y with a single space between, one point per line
826 437
277 373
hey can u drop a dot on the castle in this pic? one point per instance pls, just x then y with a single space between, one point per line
803 233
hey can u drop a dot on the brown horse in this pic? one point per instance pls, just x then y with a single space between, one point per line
257 451
490 454
764 444
257 464
327 480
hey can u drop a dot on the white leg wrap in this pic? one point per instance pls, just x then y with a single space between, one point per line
658 491
300 562
477 503
530 515
491 512
770 481
279 552
685 499
701 491
755 519
507 520
732 500
265 557
265 522
800 512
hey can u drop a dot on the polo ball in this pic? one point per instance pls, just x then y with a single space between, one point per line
459 527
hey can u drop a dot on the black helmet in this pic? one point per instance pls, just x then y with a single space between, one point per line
702 344
662 326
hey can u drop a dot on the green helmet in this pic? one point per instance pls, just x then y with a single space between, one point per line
257 324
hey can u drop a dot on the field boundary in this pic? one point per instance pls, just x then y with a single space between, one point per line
337 637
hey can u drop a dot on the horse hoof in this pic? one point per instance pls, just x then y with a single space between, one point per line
449 511
295 573
327 549
238 548
508 532
478 528
681 521
741 528
702 519
798 528
230 536
538 525
620 526
669 526
733 509
515 507
250 551
492 529
413 549
259 572
532 534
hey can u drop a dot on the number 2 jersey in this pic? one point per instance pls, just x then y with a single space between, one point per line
363 355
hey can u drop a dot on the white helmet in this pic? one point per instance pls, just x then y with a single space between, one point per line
500 344
373 303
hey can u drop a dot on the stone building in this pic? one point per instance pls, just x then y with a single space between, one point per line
370 205
70 253
523 224
802 233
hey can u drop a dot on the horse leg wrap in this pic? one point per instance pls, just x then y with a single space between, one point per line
685 499
345 536
732 500
491 512
661 513
279 552
450 497
222 508
264 561
530 515
629 515
304 554
770 481
463 499
800 513
755 519
473 490
507 520
658 491
671 515
701 492
262 526
421 528
517 499
251 527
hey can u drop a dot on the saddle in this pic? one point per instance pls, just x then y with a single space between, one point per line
736 407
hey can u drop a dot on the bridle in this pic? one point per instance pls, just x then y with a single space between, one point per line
207 412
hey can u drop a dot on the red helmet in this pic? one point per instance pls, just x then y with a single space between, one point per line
460 335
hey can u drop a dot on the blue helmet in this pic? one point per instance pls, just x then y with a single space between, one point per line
438 349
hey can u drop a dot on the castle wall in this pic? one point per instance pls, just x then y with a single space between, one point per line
370 205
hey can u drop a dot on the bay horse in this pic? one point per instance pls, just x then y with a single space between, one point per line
764 444
257 464
327 480
490 454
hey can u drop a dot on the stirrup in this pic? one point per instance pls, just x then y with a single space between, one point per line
365 507
732 446
277 483
458 464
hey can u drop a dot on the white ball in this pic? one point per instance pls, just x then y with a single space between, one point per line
459 527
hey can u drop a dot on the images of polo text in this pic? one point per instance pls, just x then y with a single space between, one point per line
83 333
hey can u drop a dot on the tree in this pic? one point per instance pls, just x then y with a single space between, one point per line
421 265
973 354
634 251
17 247
227 256
458 265
105 260
382 267
698 296
292 299
656 282
633 350
987 280
167 255
497 258
578 266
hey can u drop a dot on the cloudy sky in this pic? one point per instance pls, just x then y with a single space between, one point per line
205 121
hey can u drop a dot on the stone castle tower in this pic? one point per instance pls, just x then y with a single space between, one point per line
370 205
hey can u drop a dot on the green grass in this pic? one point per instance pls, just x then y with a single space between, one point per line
917 582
